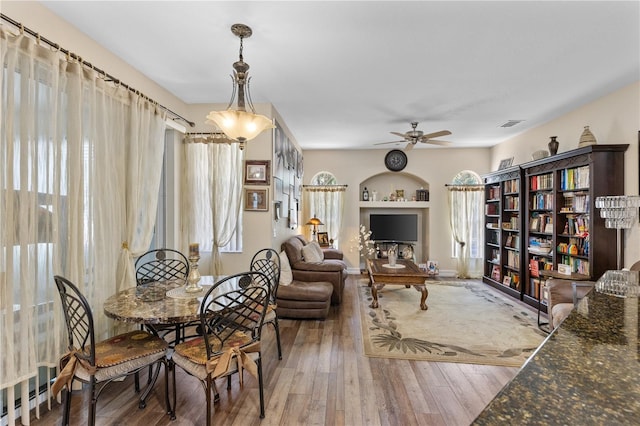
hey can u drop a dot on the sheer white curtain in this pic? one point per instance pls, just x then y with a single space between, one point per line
465 214
144 155
64 135
326 202
213 194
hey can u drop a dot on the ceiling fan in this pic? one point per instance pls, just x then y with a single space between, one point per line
414 136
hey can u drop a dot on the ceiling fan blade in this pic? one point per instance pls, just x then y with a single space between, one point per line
437 142
402 135
435 135
384 143
409 146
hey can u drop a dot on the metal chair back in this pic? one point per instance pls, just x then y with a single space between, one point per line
161 265
242 310
78 320
267 261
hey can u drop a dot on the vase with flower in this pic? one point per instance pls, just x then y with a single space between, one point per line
363 243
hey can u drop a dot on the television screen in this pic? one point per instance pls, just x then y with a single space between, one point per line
394 227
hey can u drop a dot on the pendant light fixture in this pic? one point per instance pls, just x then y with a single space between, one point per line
239 124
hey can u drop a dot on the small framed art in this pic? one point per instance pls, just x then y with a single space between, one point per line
506 163
256 200
257 172
323 239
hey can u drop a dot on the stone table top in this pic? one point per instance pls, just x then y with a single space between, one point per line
153 303
586 372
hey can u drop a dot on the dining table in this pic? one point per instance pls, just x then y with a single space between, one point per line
162 303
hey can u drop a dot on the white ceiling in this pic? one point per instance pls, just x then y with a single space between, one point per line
345 74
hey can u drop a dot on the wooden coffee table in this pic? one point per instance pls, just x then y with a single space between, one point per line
405 273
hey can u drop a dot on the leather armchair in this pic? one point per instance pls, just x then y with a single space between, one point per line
563 296
332 269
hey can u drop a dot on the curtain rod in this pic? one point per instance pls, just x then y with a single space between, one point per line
324 186
72 55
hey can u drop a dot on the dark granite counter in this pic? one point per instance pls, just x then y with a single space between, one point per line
587 372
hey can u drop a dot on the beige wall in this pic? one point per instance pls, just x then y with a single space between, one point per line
613 119
436 166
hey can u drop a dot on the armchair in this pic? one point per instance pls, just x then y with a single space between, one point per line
331 269
563 296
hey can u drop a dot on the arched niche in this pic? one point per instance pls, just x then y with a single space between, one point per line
384 185
387 182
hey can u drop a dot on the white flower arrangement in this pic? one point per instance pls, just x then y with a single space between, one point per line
362 242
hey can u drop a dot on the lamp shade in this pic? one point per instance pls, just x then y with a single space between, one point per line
240 125
315 221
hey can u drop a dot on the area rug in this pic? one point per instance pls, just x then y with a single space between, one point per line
466 322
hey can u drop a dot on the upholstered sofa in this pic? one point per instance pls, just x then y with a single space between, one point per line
330 269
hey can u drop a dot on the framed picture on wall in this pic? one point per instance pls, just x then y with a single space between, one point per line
257 172
256 200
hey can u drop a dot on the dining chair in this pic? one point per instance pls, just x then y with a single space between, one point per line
230 342
163 265
267 261
99 363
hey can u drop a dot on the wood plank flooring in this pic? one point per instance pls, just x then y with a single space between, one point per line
323 379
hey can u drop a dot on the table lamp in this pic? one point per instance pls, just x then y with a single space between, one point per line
314 222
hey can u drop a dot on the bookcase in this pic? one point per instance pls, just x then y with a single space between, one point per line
503 266
564 230
555 224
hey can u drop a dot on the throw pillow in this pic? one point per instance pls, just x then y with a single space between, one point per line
311 253
318 249
286 276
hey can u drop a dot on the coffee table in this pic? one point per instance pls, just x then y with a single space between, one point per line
404 273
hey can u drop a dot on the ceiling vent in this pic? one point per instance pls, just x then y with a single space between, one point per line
511 123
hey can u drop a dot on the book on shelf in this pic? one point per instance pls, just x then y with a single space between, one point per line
534 268
493 193
576 178
495 273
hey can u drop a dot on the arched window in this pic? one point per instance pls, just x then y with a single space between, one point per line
467 177
324 199
466 196
324 178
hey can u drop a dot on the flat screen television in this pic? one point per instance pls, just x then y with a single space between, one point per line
394 227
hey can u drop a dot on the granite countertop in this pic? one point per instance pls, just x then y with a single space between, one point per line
586 372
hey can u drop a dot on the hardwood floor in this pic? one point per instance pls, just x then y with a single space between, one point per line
323 379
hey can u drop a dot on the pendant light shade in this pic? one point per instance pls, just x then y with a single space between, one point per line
239 124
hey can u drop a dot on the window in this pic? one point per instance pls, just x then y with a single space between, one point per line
466 191
325 200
